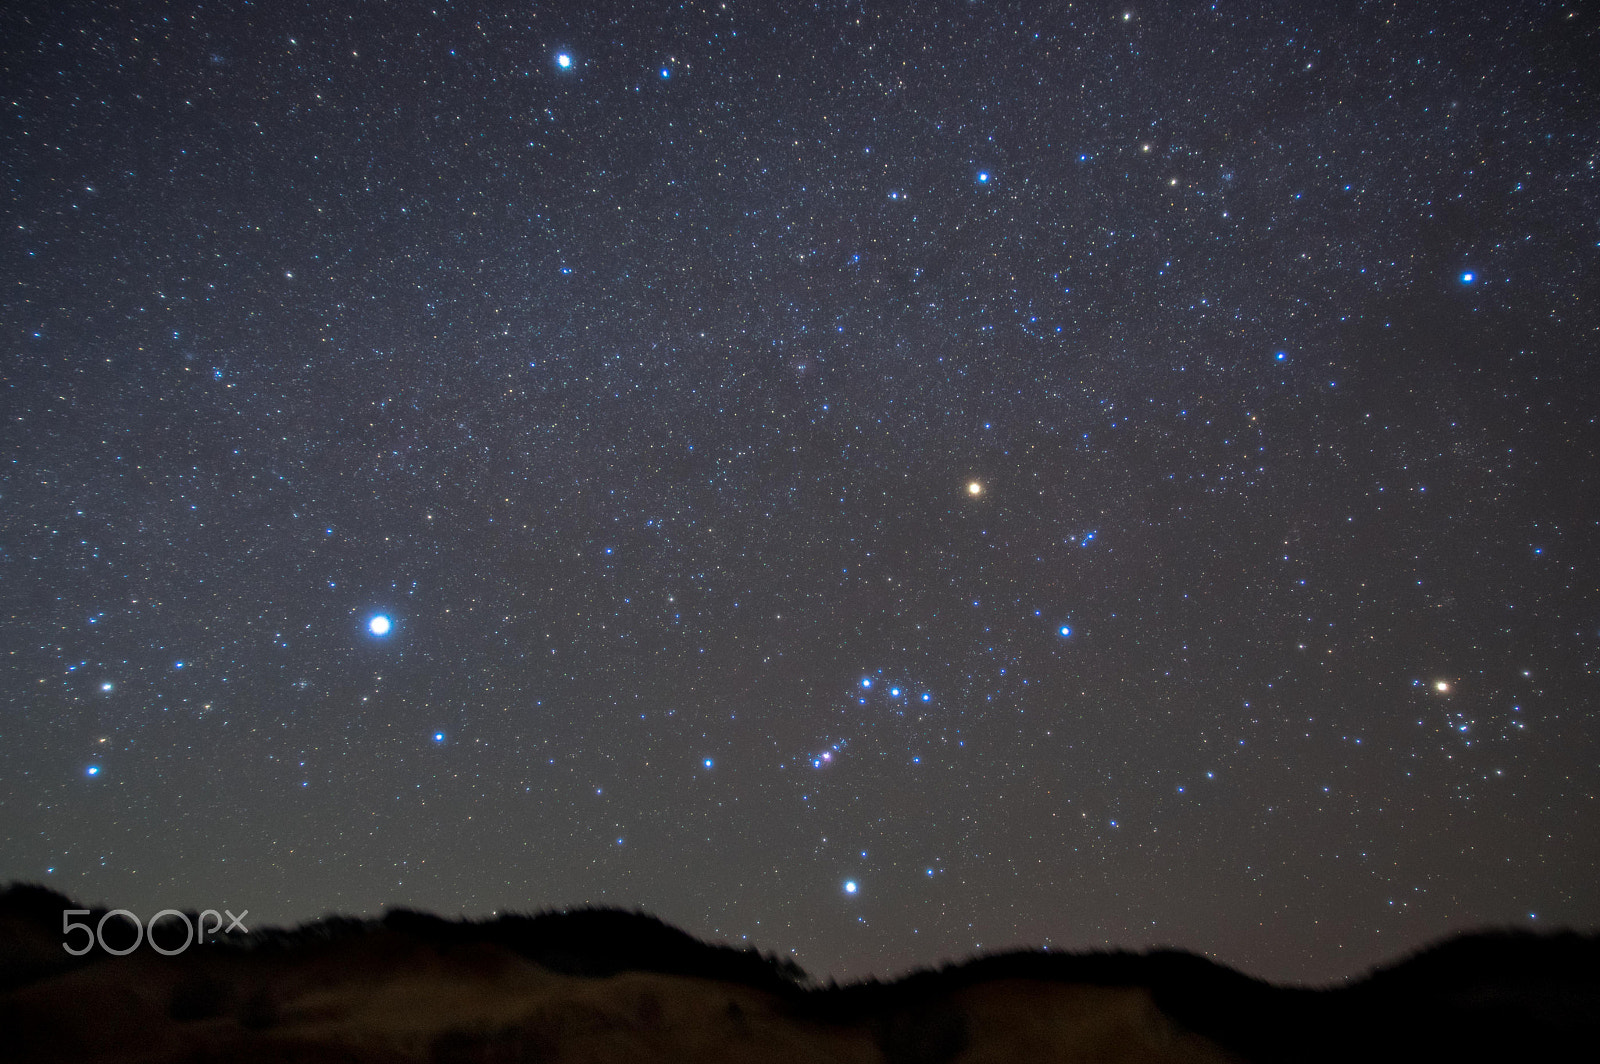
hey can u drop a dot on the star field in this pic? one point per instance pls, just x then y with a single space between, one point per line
873 484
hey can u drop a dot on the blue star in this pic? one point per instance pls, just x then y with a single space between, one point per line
1066 631
564 61
665 73
438 736
708 762
92 770
866 681
379 625
1468 277
983 177
850 886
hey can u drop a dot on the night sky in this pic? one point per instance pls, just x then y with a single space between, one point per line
871 483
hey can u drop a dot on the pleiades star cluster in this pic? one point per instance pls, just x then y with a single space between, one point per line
875 482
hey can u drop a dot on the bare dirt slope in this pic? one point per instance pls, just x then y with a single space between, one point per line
601 985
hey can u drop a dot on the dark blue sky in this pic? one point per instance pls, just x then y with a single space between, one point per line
1085 475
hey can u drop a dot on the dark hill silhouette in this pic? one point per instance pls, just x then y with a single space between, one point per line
607 984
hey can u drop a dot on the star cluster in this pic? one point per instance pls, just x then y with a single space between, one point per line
872 484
